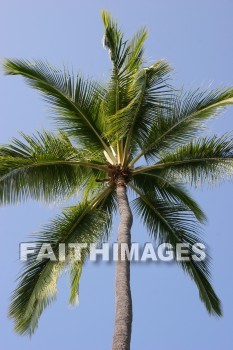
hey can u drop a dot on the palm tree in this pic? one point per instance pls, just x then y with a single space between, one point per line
135 132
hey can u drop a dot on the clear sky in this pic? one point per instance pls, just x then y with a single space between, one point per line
196 37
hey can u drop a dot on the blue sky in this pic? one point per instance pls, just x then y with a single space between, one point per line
196 38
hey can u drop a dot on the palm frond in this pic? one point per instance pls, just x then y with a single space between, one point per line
208 159
75 275
44 166
183 119
127 55
147 92
76 102
175 224
113 41
127 58
170 191
83 223
135 49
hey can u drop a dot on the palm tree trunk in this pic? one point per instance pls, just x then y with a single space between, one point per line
123 313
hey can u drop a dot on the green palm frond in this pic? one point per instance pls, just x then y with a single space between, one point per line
183 119
45 167
175 224
114 41
127 55
91 189
127 58
147 92
77 102
135 49
200 161
83 223
170 191
75 275
108 205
